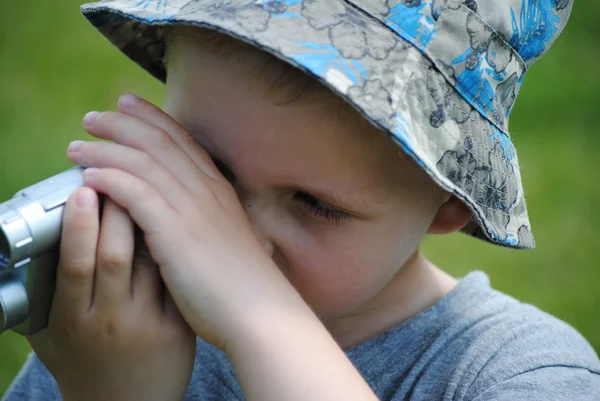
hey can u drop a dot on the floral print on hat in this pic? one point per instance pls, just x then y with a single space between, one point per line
440 77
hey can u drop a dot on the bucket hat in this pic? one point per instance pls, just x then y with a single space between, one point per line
440 77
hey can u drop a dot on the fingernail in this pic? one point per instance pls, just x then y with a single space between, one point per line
90 117
128 100
75 146
90 172
85 198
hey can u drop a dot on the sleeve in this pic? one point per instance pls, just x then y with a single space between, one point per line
553 383
213 378
34 382
534 358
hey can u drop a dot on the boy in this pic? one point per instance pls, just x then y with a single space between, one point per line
292 232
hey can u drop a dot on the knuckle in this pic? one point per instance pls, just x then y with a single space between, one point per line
71 327
146 162
188 139
162 138
112 260
109 327
120 328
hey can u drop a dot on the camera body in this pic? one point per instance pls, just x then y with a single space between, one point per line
30 228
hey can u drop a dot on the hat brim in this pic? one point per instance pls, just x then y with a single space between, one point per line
384 77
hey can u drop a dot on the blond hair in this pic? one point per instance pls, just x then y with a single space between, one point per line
283 82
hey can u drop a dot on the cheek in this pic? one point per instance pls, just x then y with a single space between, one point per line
337 269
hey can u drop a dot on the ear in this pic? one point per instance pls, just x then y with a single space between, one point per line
451 216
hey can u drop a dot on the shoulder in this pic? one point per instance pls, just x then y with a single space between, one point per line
508 345
478 344
476 341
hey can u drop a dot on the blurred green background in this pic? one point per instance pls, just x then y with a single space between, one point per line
54 68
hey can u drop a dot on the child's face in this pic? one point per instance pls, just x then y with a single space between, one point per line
290 159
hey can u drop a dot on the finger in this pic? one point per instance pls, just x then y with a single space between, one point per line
114 257
138 134
146 111
145 205
77 253
146 284
135 162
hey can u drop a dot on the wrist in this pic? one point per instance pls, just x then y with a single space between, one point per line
261 301
266 324
298 355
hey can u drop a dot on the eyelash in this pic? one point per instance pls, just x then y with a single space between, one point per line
317 208
320 209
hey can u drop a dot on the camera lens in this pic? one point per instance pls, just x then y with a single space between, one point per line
14 303
4 251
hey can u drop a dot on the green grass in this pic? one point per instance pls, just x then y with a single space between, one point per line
54 67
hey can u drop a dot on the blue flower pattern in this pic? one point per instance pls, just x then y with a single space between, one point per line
439 76
535 27
410 19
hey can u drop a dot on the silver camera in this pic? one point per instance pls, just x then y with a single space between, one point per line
30 227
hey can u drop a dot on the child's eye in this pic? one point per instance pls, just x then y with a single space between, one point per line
321 209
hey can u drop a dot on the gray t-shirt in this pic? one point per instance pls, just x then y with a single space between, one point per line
474 344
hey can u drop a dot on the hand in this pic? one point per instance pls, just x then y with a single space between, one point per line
218 272
112 333
212 263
